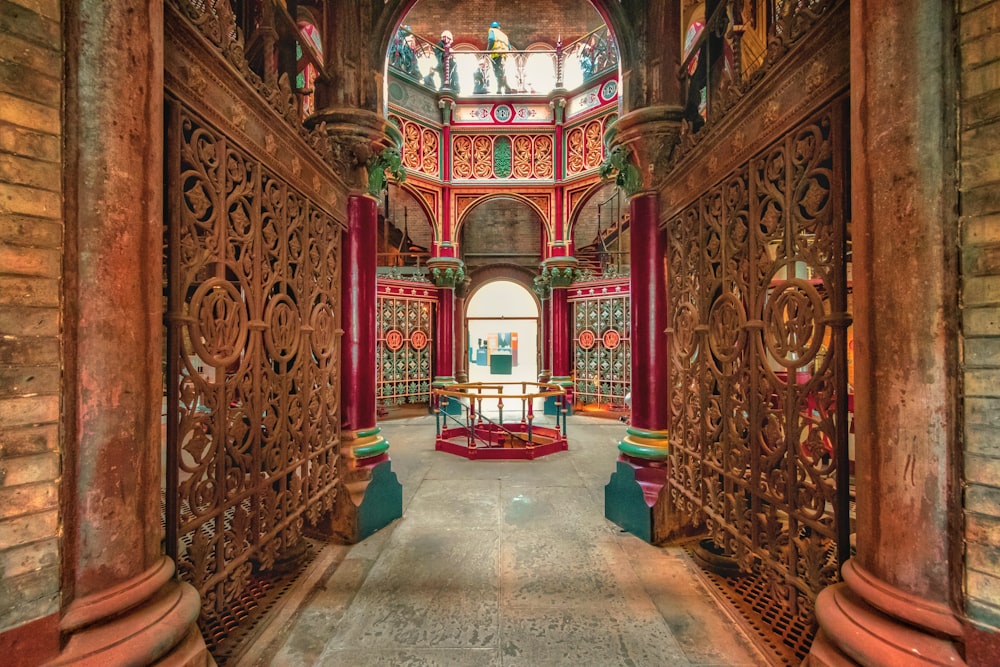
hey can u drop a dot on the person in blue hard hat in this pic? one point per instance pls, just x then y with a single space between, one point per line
498 45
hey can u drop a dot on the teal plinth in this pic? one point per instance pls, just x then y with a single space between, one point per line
625 504
383 501
552 406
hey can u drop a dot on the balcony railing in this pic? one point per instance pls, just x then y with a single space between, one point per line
529 72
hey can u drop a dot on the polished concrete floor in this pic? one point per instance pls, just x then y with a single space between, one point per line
507 563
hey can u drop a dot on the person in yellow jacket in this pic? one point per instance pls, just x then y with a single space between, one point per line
498 45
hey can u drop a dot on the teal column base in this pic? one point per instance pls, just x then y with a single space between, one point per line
637 499
362 507
552 406
453 407
382 503
625 503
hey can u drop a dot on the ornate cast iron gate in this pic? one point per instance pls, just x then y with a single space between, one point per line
758 379
404 345
601 344
253 349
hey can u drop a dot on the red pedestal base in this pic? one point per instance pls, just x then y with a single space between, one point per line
492 443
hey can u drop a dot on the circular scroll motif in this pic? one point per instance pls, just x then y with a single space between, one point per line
609 90
685 321
284 327
793 330
587 338
219 331
611 339
394 339
502 113
324 325
726 328
418 339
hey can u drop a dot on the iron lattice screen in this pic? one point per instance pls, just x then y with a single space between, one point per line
758 378
602 348
403 350
253 381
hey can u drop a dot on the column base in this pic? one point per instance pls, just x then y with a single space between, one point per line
149 620
552 404
855 632
636 499
364 506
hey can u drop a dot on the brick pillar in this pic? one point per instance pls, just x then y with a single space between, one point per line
122 603
898 600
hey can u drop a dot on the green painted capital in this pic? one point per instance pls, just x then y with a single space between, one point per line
560 276
446 271
542 287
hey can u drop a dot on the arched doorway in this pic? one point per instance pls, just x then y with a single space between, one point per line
501 321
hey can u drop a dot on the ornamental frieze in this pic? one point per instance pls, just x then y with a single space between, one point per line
502 157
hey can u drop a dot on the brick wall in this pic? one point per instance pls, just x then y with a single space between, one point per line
499 229
524 21
31 235
979 52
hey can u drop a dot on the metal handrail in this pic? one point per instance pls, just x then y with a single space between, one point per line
475 416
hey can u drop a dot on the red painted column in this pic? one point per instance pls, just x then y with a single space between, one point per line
649 316
121 602
444 338
357 353
545 372
559 328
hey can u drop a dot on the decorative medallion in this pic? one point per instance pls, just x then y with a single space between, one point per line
611 339
394 339
503 113
587 339
609 90
418 339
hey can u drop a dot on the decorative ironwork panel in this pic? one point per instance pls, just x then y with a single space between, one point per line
758 379
500 157
253 348
421 146
585 145
403 350
602 349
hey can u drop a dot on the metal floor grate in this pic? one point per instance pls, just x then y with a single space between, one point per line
783 637
228 632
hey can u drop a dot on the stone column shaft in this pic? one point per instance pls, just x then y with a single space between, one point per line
122 604
901 589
